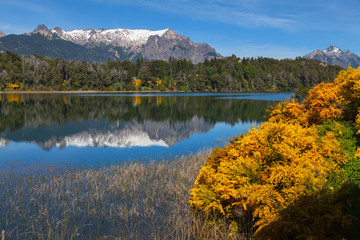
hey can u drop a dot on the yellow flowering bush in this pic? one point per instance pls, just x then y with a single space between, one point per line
289 112
290 159
338 100
137 82
348 86
265 171
321 104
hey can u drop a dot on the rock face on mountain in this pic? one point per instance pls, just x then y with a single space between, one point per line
2 34
42 29
118 44
160 47
335 56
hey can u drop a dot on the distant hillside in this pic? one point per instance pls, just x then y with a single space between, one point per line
54 48
335 56
98 45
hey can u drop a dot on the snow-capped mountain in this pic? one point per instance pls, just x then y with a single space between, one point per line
335 56
101 133
116 37
332 50
120 139
99 45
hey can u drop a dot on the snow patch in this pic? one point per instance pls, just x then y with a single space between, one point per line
3 142
117 37
332 49
86 139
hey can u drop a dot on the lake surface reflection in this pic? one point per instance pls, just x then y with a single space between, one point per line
40 130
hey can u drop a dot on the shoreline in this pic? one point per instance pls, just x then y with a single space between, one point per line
115 92
81 92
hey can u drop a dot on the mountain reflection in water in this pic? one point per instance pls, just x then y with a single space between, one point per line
121 126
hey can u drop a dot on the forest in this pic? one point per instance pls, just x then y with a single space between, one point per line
230 74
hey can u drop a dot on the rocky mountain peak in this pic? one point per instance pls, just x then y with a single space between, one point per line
169 32
335 56
2 34
152 45
332 49
42 29
57 29
125 38
119 44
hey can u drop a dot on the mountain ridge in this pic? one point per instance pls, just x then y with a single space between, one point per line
117 37
113 44
335 56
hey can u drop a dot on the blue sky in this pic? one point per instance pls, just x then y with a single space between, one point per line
250 28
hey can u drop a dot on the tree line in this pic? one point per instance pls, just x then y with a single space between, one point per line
230 74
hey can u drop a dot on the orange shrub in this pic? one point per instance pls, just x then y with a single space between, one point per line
321 104
348 84
292 159
263 172
340 99
348 91
290 112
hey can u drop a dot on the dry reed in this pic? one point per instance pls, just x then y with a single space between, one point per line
129 201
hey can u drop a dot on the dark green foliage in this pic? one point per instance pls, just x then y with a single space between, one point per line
231 74
318 216
41 45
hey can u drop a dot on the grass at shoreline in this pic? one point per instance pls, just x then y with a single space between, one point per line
130 201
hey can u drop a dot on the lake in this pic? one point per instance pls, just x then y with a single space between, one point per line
96 130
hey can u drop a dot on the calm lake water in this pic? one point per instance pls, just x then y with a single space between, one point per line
95 130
